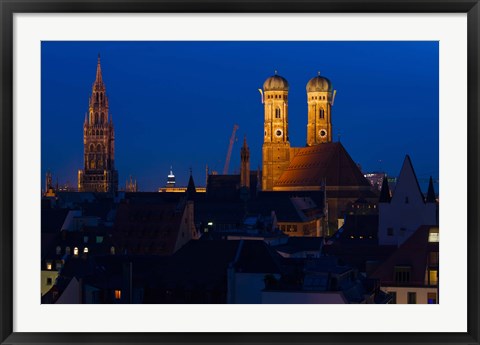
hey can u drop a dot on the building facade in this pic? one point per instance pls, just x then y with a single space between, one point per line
98 173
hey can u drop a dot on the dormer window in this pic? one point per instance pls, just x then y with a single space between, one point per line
433 235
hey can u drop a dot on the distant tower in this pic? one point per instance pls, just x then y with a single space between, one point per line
48 181
320 100
276 145
98 174
131 186
170 179
245 167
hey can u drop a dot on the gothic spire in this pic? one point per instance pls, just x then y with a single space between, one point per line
191 190
385 193
98 79
430 192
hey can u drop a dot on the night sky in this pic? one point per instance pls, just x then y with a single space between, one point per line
175 103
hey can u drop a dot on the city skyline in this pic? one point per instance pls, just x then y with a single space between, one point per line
175 103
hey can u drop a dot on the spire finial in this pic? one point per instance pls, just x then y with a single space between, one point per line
318 72
276 72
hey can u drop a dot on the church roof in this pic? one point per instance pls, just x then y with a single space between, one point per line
330 161
275 83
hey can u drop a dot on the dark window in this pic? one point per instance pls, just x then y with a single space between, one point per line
390 231
432 298
402 274
412 298
406 199
322 114
277 113
49 281
433 259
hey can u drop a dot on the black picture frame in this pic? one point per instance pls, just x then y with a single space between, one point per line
9 7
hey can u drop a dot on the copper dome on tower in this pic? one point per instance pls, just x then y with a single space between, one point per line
319 84
275 83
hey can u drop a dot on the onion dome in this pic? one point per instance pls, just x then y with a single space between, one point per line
319 84
275 83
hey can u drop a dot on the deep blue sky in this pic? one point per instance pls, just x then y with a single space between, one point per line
175 103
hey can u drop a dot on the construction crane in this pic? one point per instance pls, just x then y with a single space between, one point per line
229 152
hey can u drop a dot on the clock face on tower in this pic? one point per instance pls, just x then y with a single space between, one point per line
323 133
278 133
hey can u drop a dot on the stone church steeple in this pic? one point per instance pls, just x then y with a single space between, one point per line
320 100
98 173
245 167
276 144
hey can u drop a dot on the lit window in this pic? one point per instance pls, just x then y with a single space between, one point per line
75 251
49 265
433 235
112 250
433 277
99 239
118 294
85 250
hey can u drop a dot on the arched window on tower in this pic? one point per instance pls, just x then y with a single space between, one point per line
322 114
277 113
101 132
96 118
102 118
97 97
101 96
99 148
92 148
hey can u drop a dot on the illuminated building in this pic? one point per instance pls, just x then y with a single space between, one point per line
322 164
98 173
170 179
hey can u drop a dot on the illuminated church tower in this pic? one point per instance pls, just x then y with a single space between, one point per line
276 144
320 98
98 174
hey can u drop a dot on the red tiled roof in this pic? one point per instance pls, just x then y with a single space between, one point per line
328 160
413 253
